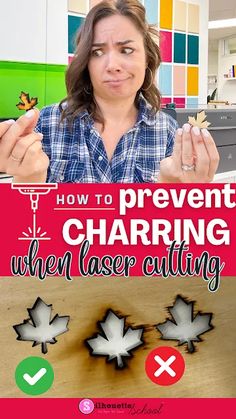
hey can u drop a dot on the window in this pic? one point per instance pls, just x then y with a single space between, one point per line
230 46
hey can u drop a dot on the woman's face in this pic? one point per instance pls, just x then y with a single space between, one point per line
117 62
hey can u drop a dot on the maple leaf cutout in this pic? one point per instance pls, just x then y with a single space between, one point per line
115 343
185 328
26 103
200 121
39 328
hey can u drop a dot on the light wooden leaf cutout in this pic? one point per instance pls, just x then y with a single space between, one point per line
200 121
40 328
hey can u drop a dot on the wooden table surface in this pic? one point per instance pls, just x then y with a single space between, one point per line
210 371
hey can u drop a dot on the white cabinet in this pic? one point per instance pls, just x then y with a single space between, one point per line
227 177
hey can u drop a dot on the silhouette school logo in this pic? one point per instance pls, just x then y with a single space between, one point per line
86 406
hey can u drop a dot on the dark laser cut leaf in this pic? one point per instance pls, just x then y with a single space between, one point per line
185 327
116 342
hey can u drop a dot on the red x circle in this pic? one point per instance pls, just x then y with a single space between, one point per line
165 365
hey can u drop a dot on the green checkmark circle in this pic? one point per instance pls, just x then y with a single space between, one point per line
34 375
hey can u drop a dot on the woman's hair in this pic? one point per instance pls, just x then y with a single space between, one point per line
78 84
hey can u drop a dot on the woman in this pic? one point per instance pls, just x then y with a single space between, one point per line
109 128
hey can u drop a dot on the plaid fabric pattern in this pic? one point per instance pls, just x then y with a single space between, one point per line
78 155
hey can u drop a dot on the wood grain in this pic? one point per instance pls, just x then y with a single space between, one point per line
210 371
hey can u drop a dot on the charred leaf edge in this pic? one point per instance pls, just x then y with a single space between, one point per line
101 333
200 313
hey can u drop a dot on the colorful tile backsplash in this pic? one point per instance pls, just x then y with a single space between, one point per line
180 16
166 46
179 48
78 6
152 11
179 80
165 79
193 18
74 22
178 24
166 14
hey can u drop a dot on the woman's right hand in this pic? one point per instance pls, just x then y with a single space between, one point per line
195 157
21 154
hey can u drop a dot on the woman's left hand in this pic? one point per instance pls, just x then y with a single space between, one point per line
195 158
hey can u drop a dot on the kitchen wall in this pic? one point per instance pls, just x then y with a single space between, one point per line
213 62
226 88
33 52
37 43
212 68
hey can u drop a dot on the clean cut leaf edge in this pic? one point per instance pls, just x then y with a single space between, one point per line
30 319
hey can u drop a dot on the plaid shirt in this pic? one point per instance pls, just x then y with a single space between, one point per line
78 155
